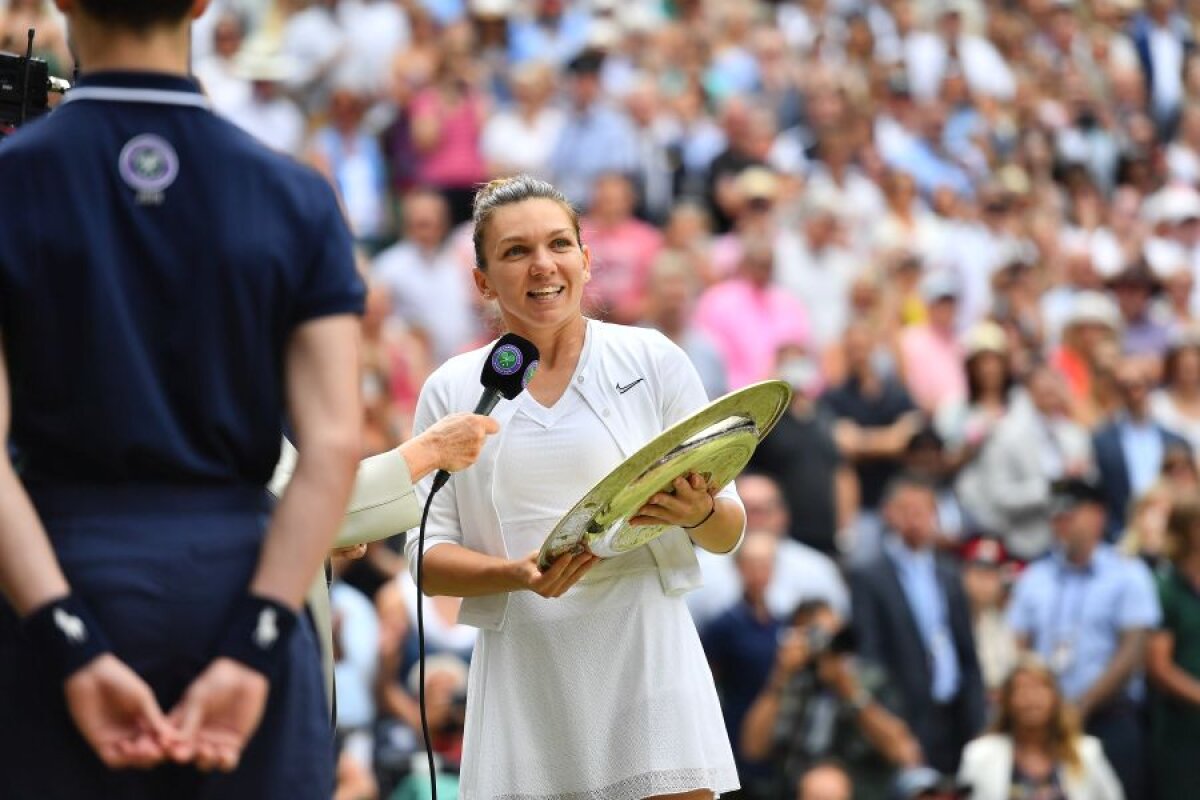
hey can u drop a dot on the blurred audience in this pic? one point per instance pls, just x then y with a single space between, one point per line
799 572
1173 659
1035 749
821 489
874 421
1006 489
987 574
1087 611
911 616
820 701
1130 449
749 317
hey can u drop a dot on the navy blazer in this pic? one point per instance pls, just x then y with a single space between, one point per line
888 635
1114 472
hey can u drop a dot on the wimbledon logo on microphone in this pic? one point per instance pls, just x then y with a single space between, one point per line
529 373
507 360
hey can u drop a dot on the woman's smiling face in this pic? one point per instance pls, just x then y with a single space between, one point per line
536 267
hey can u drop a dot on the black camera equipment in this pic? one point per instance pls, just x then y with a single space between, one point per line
821 641
25 88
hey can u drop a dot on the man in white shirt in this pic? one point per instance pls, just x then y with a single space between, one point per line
429 288
521 138
928 54
815 265
217 71
266 113
379 29
799 573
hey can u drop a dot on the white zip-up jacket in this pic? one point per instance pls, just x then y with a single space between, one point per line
464 512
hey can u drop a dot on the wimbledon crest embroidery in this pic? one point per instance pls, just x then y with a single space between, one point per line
148 165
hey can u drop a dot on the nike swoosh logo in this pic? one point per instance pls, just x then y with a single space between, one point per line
624 389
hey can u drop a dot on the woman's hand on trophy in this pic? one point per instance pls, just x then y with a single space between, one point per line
560 576
689 504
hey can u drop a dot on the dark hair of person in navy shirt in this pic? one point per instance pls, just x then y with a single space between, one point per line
137 15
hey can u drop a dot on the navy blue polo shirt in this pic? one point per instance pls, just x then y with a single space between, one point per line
154 262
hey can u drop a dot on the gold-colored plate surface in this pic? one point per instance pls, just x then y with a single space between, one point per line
717 442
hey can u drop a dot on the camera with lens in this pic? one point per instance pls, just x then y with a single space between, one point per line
821 641
25 88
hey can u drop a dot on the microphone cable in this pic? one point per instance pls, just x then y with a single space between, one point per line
421 639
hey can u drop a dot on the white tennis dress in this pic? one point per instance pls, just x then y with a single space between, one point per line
603 693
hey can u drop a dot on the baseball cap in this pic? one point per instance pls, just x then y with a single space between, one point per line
939 286
1173 204
984 551
1091 307
1166 257
259 60
491 8
985 337
1068 493
758 182
1137 273
589 62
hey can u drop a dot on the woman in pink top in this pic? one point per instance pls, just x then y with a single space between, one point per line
447 120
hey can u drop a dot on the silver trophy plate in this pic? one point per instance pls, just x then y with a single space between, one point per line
715 442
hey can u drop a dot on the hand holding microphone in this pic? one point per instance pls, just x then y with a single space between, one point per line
508 370
453 443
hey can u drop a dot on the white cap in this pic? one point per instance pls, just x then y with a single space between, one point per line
637 18
940 285
1094 308
1165 257
604 33
491 8
1172 205
260 60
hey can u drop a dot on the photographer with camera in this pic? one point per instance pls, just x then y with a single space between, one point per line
821 702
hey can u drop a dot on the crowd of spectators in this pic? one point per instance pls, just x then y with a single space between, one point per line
966 233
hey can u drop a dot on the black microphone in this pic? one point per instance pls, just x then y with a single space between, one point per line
507 371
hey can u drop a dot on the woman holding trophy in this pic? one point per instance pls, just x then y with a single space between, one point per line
588 680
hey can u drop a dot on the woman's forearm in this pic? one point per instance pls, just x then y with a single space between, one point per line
1165 674
453 570
723 530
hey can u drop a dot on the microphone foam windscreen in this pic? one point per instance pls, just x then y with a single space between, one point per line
510 366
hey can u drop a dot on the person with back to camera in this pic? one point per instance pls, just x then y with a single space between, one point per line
149 465
588 680
160 322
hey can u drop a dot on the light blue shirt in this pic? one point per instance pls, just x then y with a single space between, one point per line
918 577
446 12
930 170
529 40
591 143
1142 445
354 675
1074 616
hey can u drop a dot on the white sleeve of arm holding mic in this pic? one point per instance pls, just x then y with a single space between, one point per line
383 502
